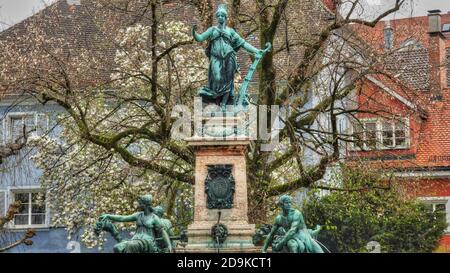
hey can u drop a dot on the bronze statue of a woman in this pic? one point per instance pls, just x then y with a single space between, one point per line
223 43
148 224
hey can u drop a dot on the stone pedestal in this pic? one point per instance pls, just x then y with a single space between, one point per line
211 151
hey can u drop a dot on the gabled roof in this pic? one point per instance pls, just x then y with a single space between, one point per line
403 94
59 20
371 63
76 25
380 82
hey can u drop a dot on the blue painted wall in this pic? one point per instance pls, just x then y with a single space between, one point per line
18 171
54 240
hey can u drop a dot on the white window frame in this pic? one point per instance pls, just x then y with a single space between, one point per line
8 126
440 200
28 189
444 25
379 134
363 122
37 116
393 121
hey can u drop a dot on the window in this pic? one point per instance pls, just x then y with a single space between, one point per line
410 44
380 134
32 210
441 205
20 123
365 134
388 38
393 134
438 207
33 123
446 27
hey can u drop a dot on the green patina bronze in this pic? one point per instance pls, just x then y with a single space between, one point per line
219 234
108 226
219 187
167 225
223 43
289 232
149 226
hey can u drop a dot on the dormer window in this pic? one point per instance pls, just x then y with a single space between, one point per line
446 27
410 44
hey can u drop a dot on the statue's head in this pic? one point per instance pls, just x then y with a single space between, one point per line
158 210
222 13
145 201
285 202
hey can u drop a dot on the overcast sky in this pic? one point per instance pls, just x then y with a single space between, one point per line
410 7
14 11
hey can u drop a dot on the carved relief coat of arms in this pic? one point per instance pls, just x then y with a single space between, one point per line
219 187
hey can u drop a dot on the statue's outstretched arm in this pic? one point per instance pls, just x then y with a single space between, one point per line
247 46
316 231
269 238
200 37
167 239
119 218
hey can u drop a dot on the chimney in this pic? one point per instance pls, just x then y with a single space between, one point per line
73 4
330 4
436 51
388 36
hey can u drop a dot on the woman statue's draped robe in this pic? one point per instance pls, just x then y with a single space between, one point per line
143 240
221 51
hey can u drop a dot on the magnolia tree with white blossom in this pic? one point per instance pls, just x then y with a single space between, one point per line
84 180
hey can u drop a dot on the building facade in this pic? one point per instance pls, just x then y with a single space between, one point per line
412 138
20 179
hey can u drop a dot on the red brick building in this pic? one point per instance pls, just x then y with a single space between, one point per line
410 131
